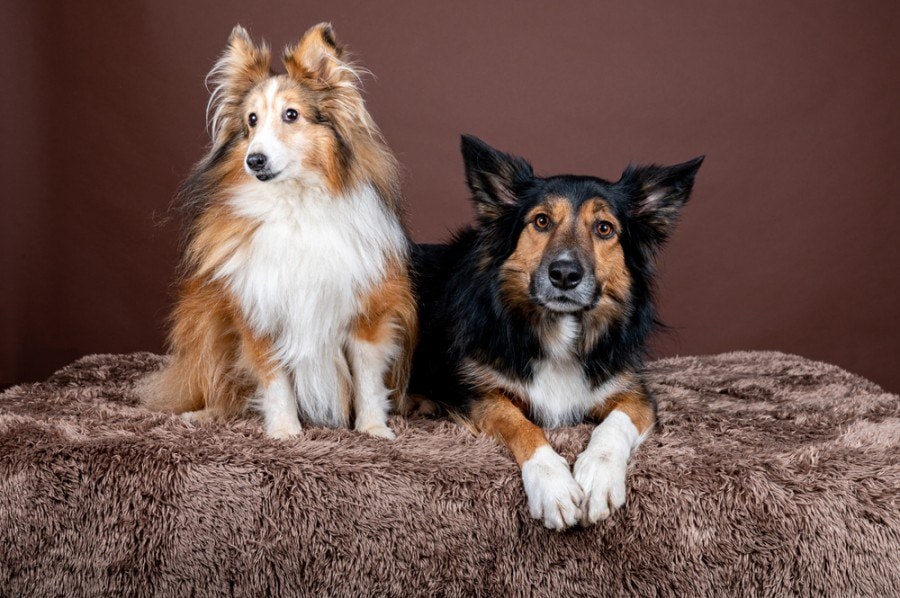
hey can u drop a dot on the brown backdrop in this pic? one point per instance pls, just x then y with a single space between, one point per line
790 242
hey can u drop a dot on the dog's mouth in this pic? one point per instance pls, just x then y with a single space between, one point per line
568 302
564 304
266 175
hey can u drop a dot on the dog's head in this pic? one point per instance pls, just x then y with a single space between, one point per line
299 126
571 243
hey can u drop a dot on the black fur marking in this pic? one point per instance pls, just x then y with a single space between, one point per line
344 152
320 117
461 311
197 193
328 36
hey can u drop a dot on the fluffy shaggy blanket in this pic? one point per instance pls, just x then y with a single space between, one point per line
770 474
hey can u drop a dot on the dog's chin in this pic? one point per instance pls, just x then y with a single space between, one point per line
265 176
563 305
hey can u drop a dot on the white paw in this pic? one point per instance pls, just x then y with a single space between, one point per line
378 430
553 494
602 478
190 417
282 428
197 417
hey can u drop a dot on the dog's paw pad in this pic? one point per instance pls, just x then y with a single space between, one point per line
602 479
554 496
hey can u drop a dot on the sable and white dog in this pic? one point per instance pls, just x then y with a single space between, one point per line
295 294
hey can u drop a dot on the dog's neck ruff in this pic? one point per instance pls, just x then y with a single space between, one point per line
301 277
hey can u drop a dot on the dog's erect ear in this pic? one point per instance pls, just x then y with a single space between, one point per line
238 70
318 56
496 179
657 195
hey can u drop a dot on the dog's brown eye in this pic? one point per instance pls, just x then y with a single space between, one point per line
604 229
542 222
290 115
252 119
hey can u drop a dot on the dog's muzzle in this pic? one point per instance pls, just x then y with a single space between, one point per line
258 164
564 285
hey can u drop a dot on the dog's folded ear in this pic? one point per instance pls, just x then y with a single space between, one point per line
657 195
497 180
242 65
319 57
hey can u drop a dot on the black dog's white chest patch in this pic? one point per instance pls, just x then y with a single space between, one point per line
559 393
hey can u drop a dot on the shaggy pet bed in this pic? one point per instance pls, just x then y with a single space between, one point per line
769 474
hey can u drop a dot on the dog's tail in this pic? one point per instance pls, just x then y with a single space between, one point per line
203 371
171 389
185 385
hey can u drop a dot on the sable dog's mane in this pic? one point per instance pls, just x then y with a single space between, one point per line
239 322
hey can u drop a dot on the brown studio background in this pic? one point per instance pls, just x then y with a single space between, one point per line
790 242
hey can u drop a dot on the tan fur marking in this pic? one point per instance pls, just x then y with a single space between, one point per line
240 68
486 379
345 390
517 271
389 310
316 56
609 269
496 415
256 351
218 235
325 156
206 370
609 258
633 402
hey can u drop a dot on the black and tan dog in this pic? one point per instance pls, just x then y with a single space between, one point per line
539 315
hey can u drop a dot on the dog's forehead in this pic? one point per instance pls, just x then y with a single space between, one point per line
279 88
582 194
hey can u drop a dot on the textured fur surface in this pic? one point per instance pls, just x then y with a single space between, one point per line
769 474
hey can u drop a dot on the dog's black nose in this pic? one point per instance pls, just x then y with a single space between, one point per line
565 274
256 162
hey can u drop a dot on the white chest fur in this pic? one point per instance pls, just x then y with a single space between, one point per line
559 393
300 276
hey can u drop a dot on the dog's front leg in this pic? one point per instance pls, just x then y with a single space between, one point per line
278 405
553 494
628 416
370 358
376 344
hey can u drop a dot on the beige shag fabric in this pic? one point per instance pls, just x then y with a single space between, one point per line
771 474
